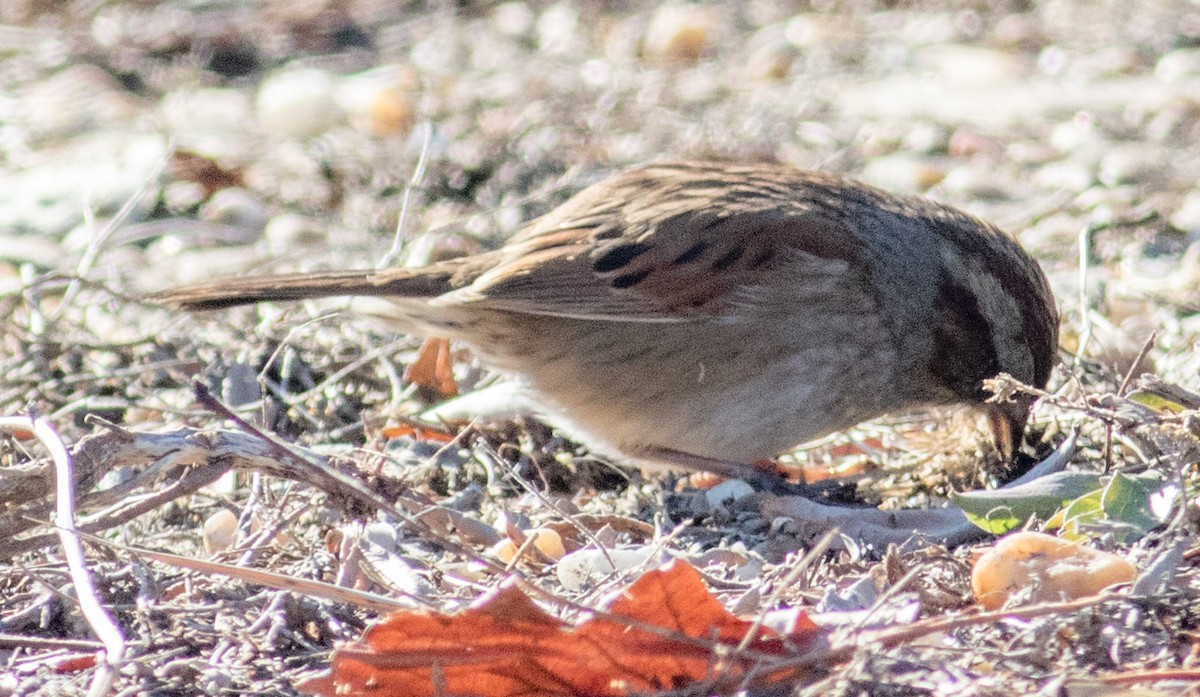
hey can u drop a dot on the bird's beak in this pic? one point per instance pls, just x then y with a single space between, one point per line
1008 425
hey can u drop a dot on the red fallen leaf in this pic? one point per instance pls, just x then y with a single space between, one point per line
507 646
21 434
423 433
74 664
434 368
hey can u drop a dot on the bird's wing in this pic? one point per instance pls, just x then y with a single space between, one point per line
666 244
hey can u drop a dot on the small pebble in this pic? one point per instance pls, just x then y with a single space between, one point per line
972 66
240 385
80 98
208 110
770 63
1132 164
903 172
756 526
236 207
678 33
1048 568
220 531
813 31
380 101
1075 135
859 595
728 492
719 557
927 138
512 19
546 540
966 143
558 30
577 568
287 232
467 500
972 181
1187 216
1068 175
1178 65
296 102
217 681
381 534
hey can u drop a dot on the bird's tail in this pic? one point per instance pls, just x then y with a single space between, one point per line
426 282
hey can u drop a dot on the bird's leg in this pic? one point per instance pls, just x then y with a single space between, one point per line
764 478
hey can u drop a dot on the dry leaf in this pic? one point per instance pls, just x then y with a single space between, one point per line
434 368
506 646
428 434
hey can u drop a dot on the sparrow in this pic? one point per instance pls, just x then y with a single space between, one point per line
707 315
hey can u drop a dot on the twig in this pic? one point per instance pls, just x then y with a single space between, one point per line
1108 425
814 553
334 481
271 579
1139 676
96 244
98 618
418 176
899 636
33 298
1085 333
124 511
583 529
19 641
338 482
1137 363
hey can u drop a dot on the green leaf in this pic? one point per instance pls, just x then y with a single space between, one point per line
1000 510
1083 511
1127 500
1121 508
1156 401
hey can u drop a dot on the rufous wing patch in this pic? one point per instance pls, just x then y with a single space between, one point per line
693 263
685 266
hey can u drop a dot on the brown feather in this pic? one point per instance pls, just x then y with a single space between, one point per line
425 282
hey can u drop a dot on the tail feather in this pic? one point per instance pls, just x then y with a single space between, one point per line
215 295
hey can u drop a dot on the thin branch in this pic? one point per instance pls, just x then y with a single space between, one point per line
98 618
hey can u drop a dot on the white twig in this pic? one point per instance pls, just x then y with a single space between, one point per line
102 236
97 617
1085 315
418 176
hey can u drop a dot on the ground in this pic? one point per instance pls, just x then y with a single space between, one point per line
145 144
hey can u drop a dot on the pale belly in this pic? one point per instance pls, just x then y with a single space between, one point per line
703 388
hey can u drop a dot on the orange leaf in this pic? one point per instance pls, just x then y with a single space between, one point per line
434 368
666 631
75 663
417 432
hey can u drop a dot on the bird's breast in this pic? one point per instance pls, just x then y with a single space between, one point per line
740 391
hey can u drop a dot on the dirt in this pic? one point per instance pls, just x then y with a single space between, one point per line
145 144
